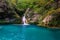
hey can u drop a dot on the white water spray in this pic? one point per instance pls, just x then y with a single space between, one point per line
24 20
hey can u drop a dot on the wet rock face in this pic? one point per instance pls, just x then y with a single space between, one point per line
33 17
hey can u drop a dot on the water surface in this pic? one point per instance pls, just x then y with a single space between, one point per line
28 32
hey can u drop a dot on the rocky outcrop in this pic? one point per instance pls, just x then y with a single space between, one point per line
47 19
5 10
32 17
52 20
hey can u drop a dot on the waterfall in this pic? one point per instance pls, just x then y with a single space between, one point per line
24 20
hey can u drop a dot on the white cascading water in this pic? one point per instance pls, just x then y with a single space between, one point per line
24 20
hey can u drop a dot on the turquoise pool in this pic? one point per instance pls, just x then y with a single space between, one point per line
28 32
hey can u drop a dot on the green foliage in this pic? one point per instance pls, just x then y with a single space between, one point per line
41 7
